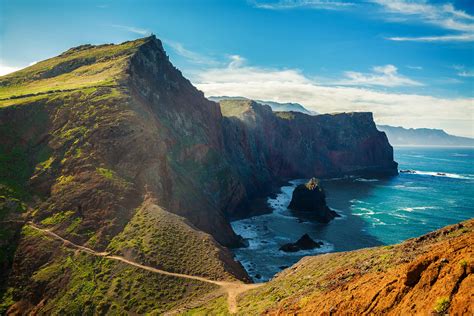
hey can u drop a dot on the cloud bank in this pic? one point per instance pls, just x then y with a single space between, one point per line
386 76
291 85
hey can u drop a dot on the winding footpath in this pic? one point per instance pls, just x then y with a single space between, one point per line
233 289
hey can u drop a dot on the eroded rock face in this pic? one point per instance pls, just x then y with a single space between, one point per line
304 243
309 199
266 146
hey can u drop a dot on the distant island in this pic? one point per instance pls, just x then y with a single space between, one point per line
400 136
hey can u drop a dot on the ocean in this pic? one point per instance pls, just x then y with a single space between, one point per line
437 192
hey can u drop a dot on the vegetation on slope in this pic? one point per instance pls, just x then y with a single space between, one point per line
76 148
77 283
160 239
78 68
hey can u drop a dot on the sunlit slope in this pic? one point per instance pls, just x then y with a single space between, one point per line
78 68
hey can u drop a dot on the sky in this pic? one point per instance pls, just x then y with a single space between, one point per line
411 63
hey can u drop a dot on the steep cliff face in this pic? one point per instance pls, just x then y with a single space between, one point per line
295 145
190 176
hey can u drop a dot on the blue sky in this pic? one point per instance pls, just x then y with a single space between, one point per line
410 62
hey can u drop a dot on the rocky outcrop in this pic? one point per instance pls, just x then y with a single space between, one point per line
309 199
304 243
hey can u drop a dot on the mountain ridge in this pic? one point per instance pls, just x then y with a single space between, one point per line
399 135
112 148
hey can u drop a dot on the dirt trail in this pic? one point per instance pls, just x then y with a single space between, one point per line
233 289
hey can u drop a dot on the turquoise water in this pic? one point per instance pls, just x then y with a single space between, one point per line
374 212
441 192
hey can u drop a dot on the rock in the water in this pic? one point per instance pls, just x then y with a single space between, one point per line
310 200
304 243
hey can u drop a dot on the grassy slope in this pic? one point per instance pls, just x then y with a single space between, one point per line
235 107
78 68
157 238
58 123
98 286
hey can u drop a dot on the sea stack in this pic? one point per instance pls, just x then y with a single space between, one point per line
304 243
309 200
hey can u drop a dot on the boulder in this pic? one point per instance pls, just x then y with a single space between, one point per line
304 243
309 200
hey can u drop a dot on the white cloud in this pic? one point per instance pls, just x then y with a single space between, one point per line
462 71
132 29
466 73
236 61
386 76
445 16
5 69
415 67
290 85
191 56
442 38
293 4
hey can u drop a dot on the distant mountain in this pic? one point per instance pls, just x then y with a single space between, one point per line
286 107
423 136
276 106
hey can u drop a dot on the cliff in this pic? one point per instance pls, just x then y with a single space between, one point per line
276 145
111 148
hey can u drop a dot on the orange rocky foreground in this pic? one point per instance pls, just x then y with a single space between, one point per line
429 275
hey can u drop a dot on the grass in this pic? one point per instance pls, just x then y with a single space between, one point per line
76 222
442 305
57 218
64 180
92 285
235 107
285 115
76 69
161 239
216 307
6 300
106 173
